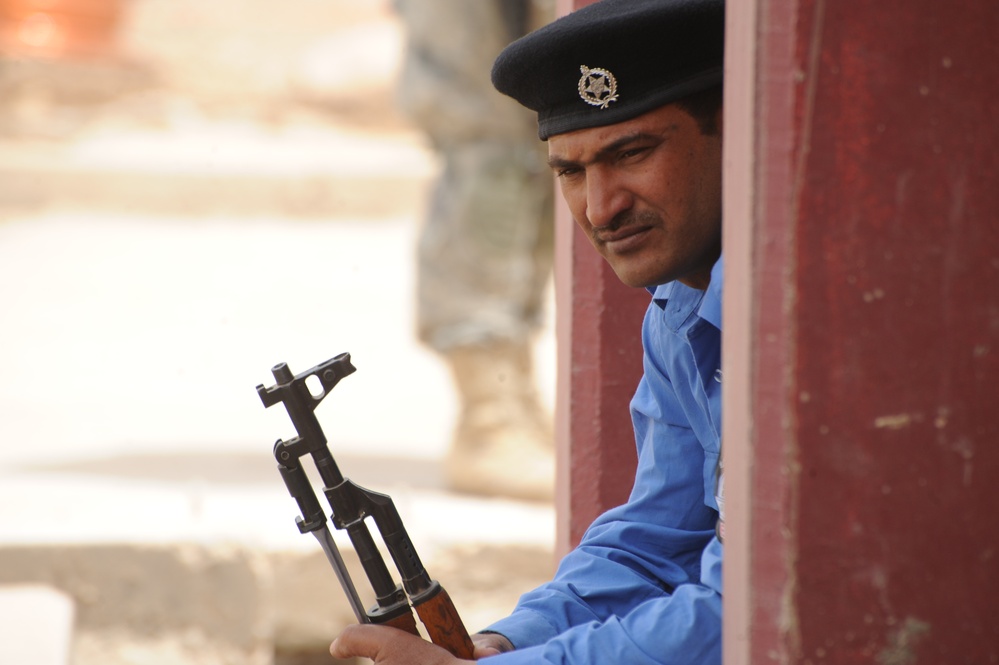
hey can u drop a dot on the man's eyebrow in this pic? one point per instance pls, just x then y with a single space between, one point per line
554 161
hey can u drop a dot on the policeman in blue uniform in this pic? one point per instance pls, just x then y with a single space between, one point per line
628 98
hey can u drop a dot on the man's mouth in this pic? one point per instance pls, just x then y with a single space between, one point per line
624 239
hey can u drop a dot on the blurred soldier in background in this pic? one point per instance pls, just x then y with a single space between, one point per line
485 250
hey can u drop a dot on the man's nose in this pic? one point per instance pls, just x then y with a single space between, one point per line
605 198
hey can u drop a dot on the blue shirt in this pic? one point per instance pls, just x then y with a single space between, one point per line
644 584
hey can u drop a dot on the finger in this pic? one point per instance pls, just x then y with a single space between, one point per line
490 644
485 652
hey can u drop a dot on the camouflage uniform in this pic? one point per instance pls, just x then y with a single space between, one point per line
485 249
486 246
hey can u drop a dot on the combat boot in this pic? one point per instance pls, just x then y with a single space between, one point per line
503 442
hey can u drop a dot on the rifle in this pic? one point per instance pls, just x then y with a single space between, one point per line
351 504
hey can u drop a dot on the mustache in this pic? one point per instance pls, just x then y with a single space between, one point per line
625 219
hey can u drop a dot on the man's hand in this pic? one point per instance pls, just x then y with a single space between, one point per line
390 646
490 644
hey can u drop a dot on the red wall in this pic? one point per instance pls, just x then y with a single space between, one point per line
869 439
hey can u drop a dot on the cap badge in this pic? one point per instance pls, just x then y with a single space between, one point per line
597 87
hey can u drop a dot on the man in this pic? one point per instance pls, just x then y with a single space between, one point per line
485 247
628 96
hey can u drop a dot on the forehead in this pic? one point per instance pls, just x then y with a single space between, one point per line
658 122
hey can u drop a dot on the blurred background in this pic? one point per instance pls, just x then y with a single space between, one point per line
191 192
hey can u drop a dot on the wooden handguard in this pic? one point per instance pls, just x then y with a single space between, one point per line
444 626
404 622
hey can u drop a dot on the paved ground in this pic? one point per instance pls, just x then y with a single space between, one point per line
151 277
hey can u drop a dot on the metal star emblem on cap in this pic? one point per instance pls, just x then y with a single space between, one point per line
597 87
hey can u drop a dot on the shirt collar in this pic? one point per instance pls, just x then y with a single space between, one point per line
708 303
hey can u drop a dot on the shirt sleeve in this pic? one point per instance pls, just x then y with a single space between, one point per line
644 584
681 627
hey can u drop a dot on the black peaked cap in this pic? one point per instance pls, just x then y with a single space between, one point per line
614 60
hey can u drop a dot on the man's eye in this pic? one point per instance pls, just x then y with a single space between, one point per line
566 172
632 152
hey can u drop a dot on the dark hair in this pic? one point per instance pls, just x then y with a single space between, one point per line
703 106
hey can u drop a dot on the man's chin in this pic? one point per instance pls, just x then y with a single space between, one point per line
633 278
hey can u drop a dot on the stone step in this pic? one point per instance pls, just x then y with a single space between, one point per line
91 604
160 570
221 169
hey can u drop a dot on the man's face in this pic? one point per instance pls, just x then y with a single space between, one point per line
647 193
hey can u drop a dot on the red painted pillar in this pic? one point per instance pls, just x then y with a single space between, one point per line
598 328
600 364
861 422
